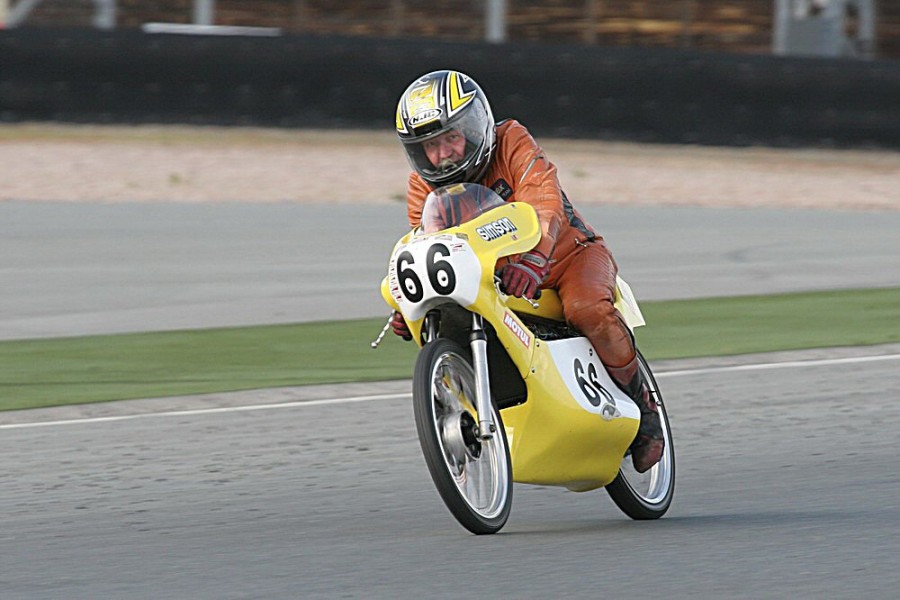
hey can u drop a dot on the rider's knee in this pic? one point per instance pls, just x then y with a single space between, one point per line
601 323
592 316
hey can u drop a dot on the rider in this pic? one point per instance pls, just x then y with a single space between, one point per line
446 126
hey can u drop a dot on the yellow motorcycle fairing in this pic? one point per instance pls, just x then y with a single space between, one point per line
575 426
588 455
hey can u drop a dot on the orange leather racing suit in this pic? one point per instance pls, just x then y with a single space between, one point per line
582 270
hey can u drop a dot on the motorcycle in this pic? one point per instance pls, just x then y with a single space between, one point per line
503 389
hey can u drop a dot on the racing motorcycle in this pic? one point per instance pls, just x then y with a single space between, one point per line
503 389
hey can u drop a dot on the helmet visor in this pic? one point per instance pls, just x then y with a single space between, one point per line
470 126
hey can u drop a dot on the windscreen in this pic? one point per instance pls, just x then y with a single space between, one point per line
453 205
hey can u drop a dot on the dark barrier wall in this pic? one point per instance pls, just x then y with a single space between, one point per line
566 91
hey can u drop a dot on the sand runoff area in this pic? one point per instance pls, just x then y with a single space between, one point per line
41 162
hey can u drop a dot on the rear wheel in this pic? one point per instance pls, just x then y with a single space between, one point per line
473 477
647 495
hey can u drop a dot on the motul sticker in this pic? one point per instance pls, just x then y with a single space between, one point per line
517 329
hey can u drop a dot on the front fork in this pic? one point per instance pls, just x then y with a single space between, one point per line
478 345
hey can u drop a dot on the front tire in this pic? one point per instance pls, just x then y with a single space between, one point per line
473 477
645 496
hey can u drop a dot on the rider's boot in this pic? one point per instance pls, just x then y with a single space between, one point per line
647 447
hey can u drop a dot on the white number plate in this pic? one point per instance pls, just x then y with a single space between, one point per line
431 270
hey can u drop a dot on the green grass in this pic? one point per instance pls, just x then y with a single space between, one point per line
117 367
748 324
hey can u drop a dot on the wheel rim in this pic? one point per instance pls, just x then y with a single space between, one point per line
478 469
654 485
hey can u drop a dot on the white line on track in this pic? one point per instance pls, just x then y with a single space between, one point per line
780 365
326 401
206 411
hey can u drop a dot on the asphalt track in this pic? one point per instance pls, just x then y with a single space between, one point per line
80 268
787 479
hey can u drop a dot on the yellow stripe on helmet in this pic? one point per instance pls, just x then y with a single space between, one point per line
458 98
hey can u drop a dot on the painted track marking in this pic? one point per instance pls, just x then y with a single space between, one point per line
327 401
779 365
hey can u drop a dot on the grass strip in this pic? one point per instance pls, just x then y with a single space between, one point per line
146 365
767 323
48 372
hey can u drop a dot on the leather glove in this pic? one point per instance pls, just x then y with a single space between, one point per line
399 326
523 279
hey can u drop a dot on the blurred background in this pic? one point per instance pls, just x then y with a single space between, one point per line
738 72
863 28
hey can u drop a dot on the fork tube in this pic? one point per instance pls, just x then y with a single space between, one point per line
430 327
478 343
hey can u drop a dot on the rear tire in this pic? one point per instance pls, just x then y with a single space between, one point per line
473 477
644 496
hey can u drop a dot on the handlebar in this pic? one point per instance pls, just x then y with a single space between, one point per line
532 301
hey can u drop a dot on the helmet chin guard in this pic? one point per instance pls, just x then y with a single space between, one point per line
439 102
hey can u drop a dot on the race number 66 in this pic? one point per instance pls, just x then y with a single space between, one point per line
440 273
590 386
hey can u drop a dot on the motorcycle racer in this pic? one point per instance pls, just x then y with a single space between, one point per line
446 126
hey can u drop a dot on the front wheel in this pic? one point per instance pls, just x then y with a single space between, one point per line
473 477
647 495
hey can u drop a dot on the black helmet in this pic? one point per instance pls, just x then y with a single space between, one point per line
439 102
